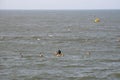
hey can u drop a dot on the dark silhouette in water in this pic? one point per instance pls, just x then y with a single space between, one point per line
58 53
21 55
41 55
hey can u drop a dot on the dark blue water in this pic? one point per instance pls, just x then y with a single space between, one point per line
91 50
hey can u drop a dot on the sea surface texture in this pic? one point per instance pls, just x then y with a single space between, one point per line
91 50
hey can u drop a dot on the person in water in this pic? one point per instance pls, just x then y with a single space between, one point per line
41 55
59 53
21 55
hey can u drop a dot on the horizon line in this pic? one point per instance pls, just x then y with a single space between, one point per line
59 9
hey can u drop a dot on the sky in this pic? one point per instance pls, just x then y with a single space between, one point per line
59 4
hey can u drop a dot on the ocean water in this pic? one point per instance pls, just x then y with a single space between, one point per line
73 32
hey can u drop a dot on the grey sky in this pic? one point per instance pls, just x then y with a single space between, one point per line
59 4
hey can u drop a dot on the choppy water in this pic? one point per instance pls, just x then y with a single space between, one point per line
74 32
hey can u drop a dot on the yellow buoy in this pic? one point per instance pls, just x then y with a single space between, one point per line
97 20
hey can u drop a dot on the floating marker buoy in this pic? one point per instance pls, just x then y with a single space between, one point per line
97 20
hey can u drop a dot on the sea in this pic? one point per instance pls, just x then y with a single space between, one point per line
91 50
